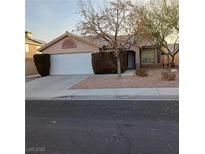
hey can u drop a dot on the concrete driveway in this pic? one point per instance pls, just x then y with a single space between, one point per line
50 86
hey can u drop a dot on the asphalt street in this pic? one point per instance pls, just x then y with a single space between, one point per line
102 127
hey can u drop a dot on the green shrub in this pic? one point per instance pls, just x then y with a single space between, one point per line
168 75
141 72
42 62
106 62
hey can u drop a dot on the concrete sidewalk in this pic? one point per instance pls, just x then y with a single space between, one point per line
106 94
57 88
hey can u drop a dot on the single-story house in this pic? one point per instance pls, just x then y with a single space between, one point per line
71 54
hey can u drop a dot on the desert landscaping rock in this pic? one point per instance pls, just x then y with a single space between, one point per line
153 80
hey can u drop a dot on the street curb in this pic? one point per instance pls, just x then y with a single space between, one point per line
33 76
109 97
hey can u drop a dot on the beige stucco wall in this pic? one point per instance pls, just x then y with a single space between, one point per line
176 59
32 50
30 68
81 48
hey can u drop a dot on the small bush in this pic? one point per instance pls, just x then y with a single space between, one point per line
141 72
42 62
168 75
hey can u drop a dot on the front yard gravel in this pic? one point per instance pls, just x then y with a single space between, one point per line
153 80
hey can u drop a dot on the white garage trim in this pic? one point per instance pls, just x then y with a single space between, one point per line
79 63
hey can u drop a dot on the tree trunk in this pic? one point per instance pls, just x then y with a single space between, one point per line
118 66
169 65
173 59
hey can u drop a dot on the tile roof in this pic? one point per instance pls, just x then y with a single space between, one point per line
34 41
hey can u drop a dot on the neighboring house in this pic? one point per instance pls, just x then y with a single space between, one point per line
31 46
71 54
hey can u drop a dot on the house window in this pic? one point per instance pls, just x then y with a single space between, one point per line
68 44
147 57
27 48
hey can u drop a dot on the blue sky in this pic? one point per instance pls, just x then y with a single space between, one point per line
47 19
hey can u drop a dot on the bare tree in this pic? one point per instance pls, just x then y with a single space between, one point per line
159 25
113 23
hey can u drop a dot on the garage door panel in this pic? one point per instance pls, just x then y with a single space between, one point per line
71 64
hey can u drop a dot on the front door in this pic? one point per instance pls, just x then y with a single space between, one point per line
131 59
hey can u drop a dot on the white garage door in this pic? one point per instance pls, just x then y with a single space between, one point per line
79 63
